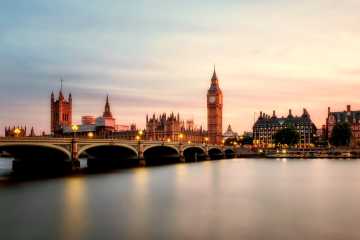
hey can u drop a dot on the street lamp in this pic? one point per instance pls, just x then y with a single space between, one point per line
168 140
17 131
189 142
181 136
206 139
90 134
74 128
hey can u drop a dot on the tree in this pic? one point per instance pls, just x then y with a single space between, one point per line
247 140
341 134
287 136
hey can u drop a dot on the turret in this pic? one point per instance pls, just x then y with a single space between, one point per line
274 114
348 108
290 113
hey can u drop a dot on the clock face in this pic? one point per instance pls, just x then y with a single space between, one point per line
212 99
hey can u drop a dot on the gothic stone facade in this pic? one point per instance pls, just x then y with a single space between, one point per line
266 126
349 116
164 128
61 113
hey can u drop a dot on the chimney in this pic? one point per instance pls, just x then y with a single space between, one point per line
328 111
348 108
290 114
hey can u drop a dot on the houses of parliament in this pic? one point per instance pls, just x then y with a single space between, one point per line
165 127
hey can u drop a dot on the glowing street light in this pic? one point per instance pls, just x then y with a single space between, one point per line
168 140
74 128
17 131
90 134
137 138
206 139
141 132
189 142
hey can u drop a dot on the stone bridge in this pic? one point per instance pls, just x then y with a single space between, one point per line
54 152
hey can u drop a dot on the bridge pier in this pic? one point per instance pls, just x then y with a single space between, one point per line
235 152
141 157
75 163
207 156
181 153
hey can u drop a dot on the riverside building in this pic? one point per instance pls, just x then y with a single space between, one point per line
266 126
349 116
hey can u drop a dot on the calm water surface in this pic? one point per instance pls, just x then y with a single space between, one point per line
227 199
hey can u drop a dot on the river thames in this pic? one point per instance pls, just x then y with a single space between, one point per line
225 199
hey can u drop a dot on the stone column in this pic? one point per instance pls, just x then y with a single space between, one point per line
207 157
74 154
142 161
235 152
181 153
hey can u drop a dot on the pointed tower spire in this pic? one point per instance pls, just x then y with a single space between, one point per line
214 79
61 96
107 112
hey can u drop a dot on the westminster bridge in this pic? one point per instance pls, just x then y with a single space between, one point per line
55 153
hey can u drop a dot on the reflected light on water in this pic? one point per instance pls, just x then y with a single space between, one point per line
75 205
141 179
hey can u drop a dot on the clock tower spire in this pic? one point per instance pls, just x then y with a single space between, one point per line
214 110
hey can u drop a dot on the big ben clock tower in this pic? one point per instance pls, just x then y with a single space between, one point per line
214 110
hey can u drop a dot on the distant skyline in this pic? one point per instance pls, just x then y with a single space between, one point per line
158 56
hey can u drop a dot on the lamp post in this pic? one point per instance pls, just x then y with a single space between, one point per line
74 149
181 152
74 128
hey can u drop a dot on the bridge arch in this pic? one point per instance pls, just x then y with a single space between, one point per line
161 145
215 153
7 147
229 153
84 148
42 158
105 155
194 153
161 154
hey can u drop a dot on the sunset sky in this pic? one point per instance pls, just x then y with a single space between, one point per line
158 56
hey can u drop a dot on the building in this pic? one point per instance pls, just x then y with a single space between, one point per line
106 123
171 128
266 126
214 111
230 133
61 113
87 120
103 126
349 116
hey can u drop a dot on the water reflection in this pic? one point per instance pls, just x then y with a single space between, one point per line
228 199
75 221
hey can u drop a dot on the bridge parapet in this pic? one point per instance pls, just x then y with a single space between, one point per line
74 147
